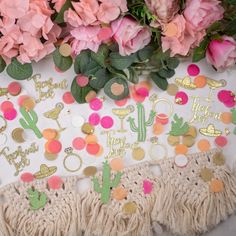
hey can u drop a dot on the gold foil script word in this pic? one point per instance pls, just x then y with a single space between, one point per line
202 113
46 89
117 145
18 158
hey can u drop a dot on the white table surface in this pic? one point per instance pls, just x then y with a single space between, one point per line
45 68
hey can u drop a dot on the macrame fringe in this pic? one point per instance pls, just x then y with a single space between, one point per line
109 220
183 216
54 223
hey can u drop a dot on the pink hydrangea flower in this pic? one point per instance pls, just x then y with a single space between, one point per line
108 12
202 13
85 37
222 54
14 9
86 10
129 35
94 12
23 38
184 39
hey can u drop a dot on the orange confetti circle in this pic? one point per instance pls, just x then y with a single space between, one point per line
216 186
91 138
119 193
226 117
200 81
117 164
203 145
181 149
158 128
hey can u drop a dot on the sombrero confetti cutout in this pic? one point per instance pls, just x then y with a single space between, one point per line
45 171
185 83
210 131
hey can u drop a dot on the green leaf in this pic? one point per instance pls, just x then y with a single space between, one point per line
60 16
117 73
200 52
172 62
215 27
61 62
122 62
79 93
101 56
100 78
145 53
133 76
19 71
159 81
233 2
166 73
230 29
2 64
84 64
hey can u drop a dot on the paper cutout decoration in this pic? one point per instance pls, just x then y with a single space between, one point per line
18 158
54 114
142 125
185 83
46 89
210 131
107 183
37 199
122 113
201 113
178 126
30 120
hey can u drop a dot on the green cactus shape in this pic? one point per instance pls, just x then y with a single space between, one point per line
233 115
37 200
30 121
107 184
141 128
178 126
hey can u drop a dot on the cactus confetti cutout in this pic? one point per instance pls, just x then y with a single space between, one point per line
30 120
37 199
142 125
107 183
178 126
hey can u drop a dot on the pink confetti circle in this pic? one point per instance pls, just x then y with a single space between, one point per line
121 103
181 98
54 146
82 80
27 177
142 92
193 70
7 105
221 141
95 104
107 122
78 143
10 114
94 119
68 98
14 88
55 182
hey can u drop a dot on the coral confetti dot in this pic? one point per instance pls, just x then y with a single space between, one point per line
93 148
203 145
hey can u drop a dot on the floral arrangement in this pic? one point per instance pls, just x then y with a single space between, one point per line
110 42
